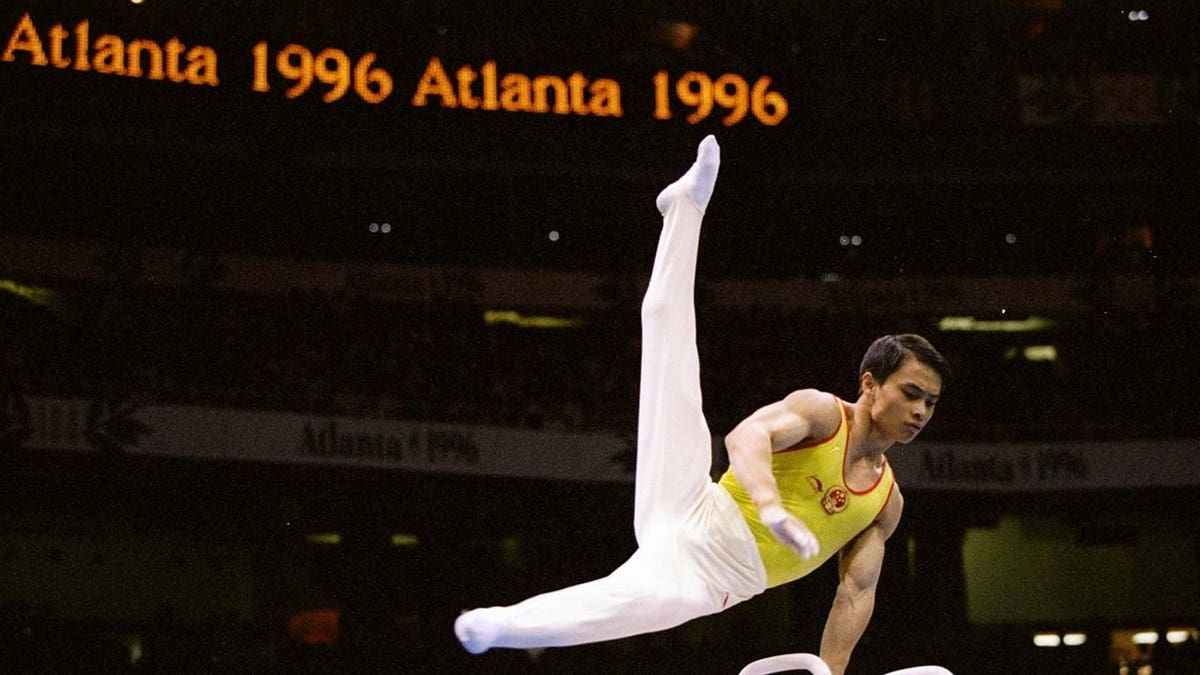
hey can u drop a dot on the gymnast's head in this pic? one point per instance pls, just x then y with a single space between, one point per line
901 379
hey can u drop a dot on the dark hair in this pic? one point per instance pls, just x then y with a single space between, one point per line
885 355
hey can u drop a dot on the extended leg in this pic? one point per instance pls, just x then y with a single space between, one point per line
674 444
658 587
661 585
642 596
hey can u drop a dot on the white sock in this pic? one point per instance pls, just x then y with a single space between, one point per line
699 180
476 631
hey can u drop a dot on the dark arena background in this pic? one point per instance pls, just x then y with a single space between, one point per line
319 320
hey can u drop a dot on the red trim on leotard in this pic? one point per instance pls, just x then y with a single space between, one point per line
846 451
887 500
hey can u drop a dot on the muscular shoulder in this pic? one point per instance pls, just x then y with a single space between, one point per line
889 518
800 416
821 409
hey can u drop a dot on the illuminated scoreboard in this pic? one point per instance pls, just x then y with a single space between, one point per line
527 72
338 76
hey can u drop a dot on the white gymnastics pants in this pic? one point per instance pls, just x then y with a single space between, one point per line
696 555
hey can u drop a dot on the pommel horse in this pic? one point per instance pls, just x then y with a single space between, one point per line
813 664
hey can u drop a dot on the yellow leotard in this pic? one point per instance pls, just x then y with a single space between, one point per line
812 483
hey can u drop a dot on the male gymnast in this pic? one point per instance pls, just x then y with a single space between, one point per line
808 478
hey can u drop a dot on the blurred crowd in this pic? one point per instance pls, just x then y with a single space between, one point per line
1109 375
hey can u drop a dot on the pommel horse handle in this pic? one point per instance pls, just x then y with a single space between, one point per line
782 662
814 665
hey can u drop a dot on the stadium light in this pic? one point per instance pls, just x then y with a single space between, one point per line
1074 639
1147 637
1047 639
972 325
1177 637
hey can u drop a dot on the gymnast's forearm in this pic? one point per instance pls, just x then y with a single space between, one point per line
848 619
749 449
859 567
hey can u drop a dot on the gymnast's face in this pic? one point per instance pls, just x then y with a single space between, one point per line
903 405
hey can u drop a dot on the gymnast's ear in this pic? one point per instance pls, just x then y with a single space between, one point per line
868 388
867 384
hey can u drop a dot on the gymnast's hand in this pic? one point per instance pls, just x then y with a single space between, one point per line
790 530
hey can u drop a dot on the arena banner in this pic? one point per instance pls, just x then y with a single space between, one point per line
226 434
199 432
1059 465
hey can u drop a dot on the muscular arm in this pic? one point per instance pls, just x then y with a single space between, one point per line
859 565
802 415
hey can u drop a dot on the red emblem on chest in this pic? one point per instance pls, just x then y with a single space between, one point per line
835 500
